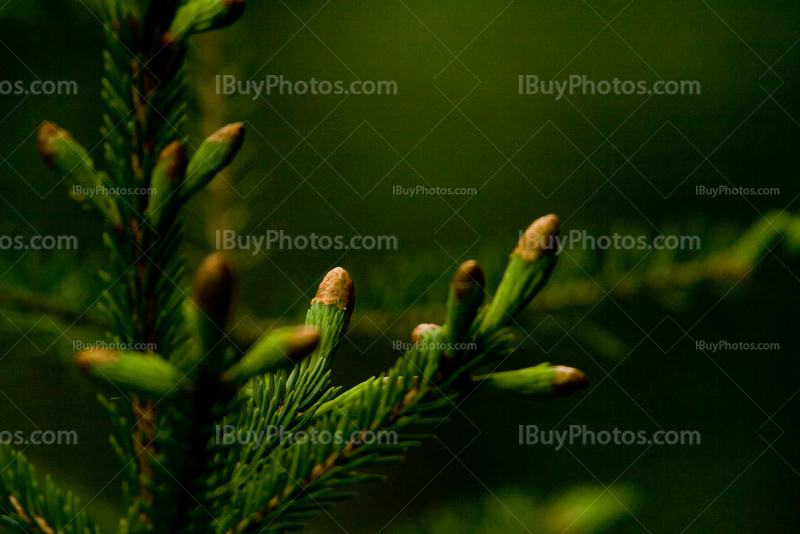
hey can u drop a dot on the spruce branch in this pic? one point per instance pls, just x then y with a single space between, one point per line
27 506
179 476
301 474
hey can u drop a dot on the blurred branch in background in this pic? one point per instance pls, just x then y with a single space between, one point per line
729 259
582 510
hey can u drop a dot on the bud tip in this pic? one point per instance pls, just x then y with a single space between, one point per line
568 380
236 7
175 158
48 132
302 341
85 359
467 276
538 239
212 289
234 132
420 330
337 288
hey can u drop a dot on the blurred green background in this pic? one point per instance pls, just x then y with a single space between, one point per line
329 165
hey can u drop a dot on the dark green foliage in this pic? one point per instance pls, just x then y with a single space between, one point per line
29 507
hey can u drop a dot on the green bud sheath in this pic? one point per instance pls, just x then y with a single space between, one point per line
214 154
147 374
168 175
197 16
531 263
330 311
71 161
463 301
542 381
280 348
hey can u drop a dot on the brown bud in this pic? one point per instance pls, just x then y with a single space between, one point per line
539 239
175 159
337 288
47 135
420 330
213 288
86 359
568 380
467 276
235 7
231 134
302 341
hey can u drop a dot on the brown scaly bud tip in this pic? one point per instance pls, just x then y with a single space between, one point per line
233 133
212 289
48 133
568 380
235 7
337 288
86 359
467 275
167 39
539 239
302 341
175 158
420 330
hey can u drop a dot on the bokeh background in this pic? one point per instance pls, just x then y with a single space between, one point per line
329 165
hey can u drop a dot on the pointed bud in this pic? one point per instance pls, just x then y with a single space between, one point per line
214 154
49 138
468 278
530 266
542 381
213 289
207 314
463 301
539 239
167 177
568 380
330 311
197 16
337 288
422 329
172 162
72 163
280 348
148 374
